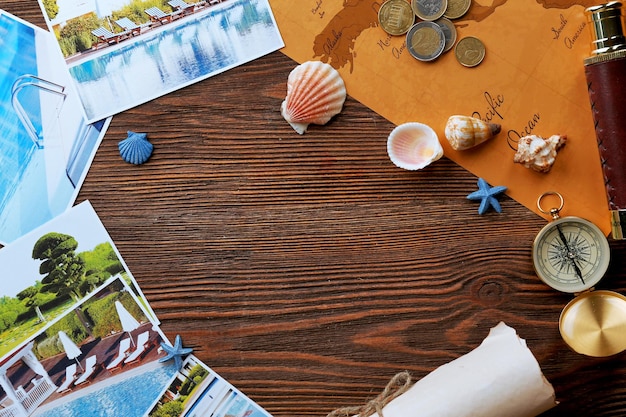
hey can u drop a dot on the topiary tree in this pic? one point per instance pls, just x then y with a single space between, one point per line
62 268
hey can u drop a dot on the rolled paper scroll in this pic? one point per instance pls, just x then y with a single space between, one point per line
501 377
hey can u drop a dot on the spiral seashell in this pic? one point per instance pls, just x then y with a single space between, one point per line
315 93
537 153
464 132
135 149
413 146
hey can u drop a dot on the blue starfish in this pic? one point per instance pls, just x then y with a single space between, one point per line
487 196
175 352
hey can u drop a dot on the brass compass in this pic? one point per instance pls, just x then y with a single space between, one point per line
571 255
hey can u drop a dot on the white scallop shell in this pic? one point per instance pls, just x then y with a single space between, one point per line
413 146
315 93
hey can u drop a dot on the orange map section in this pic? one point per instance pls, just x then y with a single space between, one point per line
531 82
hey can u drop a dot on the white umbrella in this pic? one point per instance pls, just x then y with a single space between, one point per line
129 323
71 350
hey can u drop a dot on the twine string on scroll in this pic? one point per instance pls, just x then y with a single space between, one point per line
397 386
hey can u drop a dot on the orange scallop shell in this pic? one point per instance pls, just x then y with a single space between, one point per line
315 93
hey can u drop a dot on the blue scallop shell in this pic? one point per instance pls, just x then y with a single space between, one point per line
135 149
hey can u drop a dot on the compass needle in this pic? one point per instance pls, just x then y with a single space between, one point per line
571 256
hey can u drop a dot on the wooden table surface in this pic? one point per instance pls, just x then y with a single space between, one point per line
308 270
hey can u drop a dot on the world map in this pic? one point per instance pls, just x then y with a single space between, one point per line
531 82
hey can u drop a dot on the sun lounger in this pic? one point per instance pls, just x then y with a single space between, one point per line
90 369
121 355
142 344
70 375
129 26
182 6
159 16
105 36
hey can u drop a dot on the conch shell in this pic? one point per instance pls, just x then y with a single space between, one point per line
537 153
315 93
464 132
413 146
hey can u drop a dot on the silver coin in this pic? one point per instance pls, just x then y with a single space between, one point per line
449 31
425 41
429 10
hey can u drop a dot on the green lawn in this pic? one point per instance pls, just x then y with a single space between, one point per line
11 338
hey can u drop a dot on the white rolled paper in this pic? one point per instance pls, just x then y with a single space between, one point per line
501 377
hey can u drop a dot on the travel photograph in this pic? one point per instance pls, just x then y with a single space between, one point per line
97 354
51 270
197 391
126 52
48 144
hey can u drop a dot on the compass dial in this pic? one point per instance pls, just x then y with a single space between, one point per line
571 254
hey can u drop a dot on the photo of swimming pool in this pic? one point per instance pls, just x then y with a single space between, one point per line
197 391
46 144
176 55
130 397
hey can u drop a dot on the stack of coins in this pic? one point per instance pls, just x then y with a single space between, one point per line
434 33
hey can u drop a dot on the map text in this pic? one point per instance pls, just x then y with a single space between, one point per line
493 104
515 136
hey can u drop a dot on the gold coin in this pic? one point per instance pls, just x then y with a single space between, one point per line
469 51
396 17
457 8
429 10
425 41
449 31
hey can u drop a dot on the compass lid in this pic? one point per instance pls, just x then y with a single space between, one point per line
594 323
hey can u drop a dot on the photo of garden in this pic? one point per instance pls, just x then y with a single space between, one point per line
47 274
66 278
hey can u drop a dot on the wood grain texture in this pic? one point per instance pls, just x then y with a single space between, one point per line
308 270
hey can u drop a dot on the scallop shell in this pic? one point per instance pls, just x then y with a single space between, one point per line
135 149
413 146
464 132
537 153
315 93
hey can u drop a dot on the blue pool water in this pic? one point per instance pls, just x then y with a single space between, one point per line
18 56
177 55
37 181
132 397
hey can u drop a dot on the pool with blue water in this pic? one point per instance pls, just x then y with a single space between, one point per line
175 55
131 397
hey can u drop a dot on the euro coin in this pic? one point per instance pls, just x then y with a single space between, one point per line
449 32
425 41
457 8
396 17
429 10
469 51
